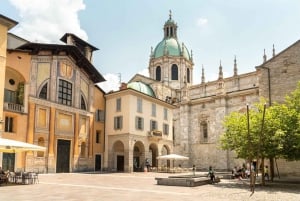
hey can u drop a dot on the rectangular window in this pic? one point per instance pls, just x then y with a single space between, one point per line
166 129
98 137
153 125
10 96
153 113
65 92
139 105
118 122
8 124
118 105
204 131
165 114
139 123
100 115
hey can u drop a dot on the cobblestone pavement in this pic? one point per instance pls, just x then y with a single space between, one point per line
141 187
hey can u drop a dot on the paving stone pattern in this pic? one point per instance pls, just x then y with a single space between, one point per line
141 187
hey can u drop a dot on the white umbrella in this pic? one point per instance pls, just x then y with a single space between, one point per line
172 157
12 146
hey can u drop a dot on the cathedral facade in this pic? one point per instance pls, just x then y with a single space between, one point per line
201 108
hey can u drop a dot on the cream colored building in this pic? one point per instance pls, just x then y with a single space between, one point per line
138 127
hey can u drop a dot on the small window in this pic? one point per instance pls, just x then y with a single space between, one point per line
118 104
158 73
204 131
174 72
153 112
98 137
139 105
82 103
166 129
44 92
188 75
8 124
139 123
153 125
118 122
10 96
100 115
165 114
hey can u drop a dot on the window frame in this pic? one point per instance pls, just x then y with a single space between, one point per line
118 104
139 105
166 129
153 125
65 93
118 122
9 124
139 123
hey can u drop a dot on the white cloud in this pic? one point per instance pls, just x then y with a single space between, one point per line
144 72
112 82
48 21
202 21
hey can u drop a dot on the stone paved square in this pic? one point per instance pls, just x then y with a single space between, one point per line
138 186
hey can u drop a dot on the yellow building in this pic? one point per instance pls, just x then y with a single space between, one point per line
50 99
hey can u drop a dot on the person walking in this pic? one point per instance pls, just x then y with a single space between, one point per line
211 174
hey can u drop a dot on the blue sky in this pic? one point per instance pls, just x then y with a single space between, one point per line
124 31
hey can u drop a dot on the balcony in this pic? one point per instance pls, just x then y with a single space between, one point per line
155 135
13 107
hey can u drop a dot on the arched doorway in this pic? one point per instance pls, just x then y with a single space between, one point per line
118 150
138 157
153 152
164 151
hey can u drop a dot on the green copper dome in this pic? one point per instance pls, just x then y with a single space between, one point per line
141 87
171 47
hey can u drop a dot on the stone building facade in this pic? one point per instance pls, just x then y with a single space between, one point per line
201 108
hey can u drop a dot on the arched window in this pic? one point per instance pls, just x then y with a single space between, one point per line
188 75
43 92
82 151
82 104
158 73
174 71
41 142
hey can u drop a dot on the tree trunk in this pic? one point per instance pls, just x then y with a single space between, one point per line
272 168
263 171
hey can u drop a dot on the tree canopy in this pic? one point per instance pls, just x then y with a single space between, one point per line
273 132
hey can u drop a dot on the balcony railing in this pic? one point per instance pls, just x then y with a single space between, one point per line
13 107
